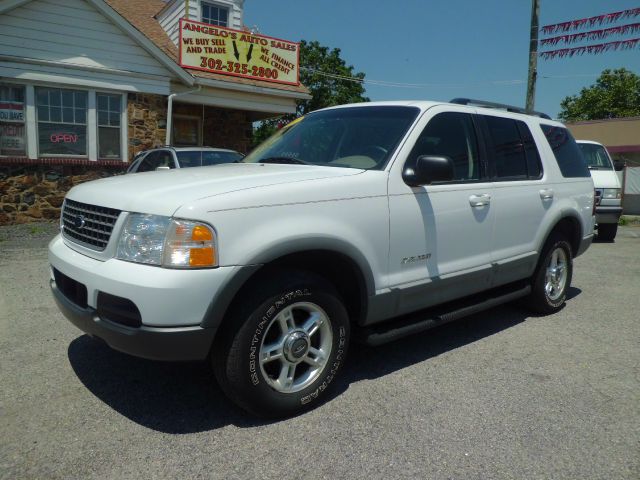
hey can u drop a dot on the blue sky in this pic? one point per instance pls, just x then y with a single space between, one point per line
460 48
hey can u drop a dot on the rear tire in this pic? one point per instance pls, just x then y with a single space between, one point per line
607 231
552 277
283 347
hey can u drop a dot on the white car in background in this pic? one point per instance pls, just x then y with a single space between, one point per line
607 187
167 158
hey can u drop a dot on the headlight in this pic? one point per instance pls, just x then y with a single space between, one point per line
189 244
610 193
167 242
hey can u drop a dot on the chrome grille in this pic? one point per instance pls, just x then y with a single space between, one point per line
88 225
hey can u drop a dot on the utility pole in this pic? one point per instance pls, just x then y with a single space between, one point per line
533 56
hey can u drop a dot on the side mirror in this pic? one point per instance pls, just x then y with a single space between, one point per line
428 169
618 165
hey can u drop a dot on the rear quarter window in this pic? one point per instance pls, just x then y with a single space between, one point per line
566 151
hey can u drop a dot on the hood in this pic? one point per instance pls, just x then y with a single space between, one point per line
163 192
605 178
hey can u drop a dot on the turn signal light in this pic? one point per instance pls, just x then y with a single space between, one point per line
190 245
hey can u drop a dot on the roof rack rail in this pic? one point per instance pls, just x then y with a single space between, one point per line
501 106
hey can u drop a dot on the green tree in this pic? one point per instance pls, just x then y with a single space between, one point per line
329 80
615 94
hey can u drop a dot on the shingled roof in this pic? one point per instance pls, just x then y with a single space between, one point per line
141 15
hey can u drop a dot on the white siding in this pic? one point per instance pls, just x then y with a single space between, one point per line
253 102
169 18
79 77
72 33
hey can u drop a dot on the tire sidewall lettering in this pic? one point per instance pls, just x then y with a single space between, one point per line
256 338
332 373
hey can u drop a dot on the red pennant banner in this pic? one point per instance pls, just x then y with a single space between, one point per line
605 19
592 35
591 49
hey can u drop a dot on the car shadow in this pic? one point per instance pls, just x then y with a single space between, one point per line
170 397
181 398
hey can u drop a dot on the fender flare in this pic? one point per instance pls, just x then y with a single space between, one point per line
224 296
564 213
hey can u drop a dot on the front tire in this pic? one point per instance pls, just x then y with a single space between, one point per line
607 231
552 277
284 347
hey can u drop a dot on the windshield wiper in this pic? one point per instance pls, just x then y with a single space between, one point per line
286 160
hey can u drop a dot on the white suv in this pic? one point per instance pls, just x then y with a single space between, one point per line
368 221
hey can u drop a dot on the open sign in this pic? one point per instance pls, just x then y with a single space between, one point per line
63 138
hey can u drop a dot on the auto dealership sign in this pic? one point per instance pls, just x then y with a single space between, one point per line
240 54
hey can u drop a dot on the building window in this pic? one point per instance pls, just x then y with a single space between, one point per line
109 115
62 121
12 131
215 15
186 131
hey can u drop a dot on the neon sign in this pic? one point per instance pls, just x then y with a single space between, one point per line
63 138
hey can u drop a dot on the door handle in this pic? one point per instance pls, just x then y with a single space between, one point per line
480 200
546 194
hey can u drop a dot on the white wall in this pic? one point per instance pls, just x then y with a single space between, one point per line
170 16
59 34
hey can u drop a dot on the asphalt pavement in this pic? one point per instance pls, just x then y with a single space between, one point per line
499 395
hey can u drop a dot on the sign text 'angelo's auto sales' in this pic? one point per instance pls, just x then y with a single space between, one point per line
232 52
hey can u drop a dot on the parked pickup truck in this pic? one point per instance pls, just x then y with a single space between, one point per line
361 222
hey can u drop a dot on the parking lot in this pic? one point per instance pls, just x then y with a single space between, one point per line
502 394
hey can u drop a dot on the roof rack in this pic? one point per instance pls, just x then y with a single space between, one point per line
501 106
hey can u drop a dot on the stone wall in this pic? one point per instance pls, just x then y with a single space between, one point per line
221 127
147 117
33 193
33 190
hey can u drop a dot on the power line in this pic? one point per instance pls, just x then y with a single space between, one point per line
387 83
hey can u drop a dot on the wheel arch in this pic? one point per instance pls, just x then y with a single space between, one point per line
335 260
568 225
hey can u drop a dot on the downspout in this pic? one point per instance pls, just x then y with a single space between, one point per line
170 111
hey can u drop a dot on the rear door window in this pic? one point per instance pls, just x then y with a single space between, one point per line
506 148
190 158
512 149
534 165
216 158
566 151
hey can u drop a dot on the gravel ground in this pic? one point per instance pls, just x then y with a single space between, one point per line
501 394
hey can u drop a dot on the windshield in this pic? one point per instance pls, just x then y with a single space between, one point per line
353 137
203 158
596 156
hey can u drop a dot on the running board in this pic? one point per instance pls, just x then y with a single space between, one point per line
415 323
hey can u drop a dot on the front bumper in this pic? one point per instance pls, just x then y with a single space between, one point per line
155 343
172 307
608 214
